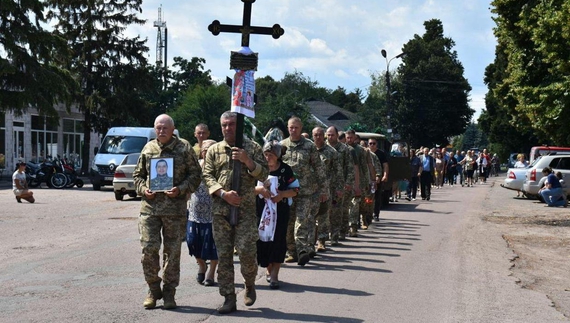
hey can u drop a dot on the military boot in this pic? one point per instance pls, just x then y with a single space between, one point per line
168 294
229 305
154 294
250 295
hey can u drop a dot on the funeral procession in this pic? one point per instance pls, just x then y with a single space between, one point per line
287 161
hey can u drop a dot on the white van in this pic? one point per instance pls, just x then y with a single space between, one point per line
118 142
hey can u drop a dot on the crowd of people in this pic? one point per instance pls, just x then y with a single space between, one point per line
298 195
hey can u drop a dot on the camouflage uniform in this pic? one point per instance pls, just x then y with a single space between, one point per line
165 215
218 175
362 163
306 163
367 203
339 213
161 182
331 159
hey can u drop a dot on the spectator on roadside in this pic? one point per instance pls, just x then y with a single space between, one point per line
521 162
552 191
20 184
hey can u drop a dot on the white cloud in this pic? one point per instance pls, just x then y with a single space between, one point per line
334 42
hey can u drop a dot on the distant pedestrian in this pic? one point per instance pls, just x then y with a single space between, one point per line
415 173
426 178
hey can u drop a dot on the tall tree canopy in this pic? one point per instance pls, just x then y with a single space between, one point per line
533 38
101 53
31 74
432 104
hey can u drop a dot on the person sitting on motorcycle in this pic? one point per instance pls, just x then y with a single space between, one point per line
20 184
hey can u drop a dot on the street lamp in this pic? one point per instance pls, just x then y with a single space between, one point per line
388 92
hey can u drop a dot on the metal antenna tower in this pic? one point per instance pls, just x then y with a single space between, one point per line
161 39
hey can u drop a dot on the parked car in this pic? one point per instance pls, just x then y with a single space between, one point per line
515 179
558 163
123 182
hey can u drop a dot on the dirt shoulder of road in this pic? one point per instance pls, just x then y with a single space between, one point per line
540 238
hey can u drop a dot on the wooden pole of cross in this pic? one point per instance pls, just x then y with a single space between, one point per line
242 62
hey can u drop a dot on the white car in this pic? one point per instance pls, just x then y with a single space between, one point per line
558 163
515 179
123 183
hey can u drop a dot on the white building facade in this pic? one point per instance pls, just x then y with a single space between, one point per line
31 137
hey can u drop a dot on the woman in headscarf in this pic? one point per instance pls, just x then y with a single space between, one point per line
276 193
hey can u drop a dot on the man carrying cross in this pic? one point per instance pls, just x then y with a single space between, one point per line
235 221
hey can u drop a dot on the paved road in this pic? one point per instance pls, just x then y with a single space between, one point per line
74 257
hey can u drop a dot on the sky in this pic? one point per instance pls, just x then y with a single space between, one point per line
334 42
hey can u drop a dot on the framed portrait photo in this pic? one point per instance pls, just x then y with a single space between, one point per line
161 174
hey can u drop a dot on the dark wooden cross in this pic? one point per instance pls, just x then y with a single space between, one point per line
242 62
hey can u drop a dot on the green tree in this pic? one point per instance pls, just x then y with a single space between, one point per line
202 104
30 60
534 37
496 120
100 51
188 73
433 102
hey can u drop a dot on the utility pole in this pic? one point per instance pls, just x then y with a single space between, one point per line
389 129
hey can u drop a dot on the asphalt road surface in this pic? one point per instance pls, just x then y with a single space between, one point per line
74 256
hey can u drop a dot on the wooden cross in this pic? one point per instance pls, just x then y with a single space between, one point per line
248 63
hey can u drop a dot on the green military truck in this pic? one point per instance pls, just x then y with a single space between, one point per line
398 163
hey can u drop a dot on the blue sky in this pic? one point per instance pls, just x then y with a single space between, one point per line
334 42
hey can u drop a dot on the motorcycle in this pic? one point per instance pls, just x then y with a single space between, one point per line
72 176
36 174
58 178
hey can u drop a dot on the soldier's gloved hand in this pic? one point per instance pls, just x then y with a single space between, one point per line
149 194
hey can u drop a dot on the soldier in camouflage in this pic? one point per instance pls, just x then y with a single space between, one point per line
218 166
367 204
361 181
304 159
342 198
331 159
163 214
